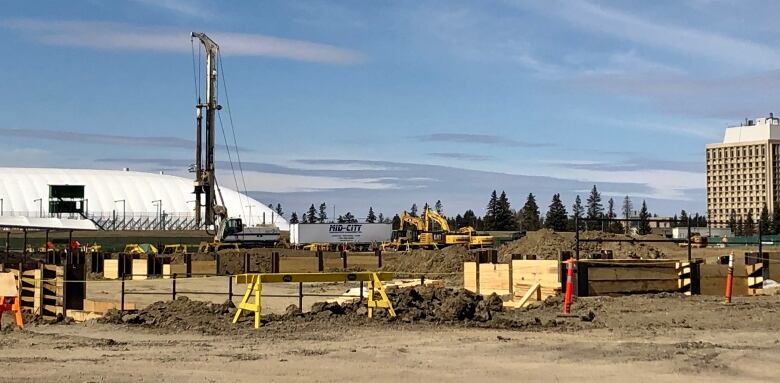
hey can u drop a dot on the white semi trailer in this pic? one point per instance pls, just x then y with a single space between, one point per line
355 235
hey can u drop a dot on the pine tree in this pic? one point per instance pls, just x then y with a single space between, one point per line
439 207
576 212
733 222
775 222
323 213
505 219
614 226
765 221
370 218
739 230
529 214
381 218
294 218
556 214
311 215
347 218
750 225
413 210
469 219
644 223
279 210
595 209
491 212
397 224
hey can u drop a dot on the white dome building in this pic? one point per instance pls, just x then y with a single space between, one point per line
123 199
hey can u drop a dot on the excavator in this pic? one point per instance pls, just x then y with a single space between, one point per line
466 236
412 234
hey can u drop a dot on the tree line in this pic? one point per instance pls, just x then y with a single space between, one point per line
320 215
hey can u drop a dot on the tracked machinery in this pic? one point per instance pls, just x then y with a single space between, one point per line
432 231
228 231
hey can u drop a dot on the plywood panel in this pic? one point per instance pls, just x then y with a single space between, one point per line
139 269
493 278
111 268
631 287
470 276
204 267
532 271
632 273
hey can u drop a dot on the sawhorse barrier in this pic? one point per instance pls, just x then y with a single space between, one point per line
255 282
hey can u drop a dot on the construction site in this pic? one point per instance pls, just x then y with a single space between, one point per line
215 297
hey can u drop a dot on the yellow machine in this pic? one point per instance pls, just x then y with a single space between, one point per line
208 247
697 241
176 248
143 248
443 236
412 234
317 247
477 240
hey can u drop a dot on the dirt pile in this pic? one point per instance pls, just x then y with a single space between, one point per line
232 261
445 261
181 314
547 244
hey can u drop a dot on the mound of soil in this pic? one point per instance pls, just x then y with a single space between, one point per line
181 314
445 261
547 244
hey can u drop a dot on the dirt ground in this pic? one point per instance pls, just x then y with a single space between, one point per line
661 337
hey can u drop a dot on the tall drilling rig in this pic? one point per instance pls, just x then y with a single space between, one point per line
205 181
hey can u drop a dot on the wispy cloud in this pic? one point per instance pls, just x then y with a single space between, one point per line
681 40
482 139
104 139
190 8
119 36
631 164
461 156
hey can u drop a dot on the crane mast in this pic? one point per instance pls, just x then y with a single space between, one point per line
205 181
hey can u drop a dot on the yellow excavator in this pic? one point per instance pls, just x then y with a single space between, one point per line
412 234
466 236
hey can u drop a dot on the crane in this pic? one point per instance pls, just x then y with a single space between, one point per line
226 230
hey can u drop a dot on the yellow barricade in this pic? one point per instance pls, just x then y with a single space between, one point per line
255 282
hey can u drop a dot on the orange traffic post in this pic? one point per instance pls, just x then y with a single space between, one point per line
730 277
9 298
569 286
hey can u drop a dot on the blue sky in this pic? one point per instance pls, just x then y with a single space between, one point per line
387 103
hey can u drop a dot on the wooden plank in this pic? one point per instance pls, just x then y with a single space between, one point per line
493 278
631 273
204 267
631 287
470 276
532 271
139 268
111 268
166 271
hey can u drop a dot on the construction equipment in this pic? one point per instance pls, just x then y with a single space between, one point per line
466 236
176 248
142 248
412 234
697 240
227 230
210 247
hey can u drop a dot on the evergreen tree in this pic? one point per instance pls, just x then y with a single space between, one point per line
381 218
627 210
347 218
413 210
750 225
739 230
469 219
370 218
294 218
311 215
576 213
614 226
556 214
505 219
674 221
397 224
491 212
765 222
279 210
323 213
644 224
439 207
595 209
775 222
529 215
733 222
684 218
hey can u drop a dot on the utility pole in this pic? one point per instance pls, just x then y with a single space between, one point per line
40 208
204 175
249 220
158 204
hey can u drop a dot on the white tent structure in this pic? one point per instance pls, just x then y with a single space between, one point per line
123 199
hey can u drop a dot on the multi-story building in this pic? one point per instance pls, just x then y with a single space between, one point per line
743 172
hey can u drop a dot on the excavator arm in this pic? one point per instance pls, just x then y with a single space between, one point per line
431 215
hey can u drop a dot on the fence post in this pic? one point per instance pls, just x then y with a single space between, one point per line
320 261
378 254
230 287
760 241
122 296
275 262
300 295
576 237
476 278
188 265
689 239
344 259
246 263
173 288
218 266
361 291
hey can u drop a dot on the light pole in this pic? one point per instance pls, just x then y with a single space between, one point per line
250 215
124 213
1 207
40 208
158 203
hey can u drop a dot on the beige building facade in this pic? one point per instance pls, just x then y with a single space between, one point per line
743 172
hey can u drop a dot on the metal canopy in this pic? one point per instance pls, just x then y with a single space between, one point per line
18 222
